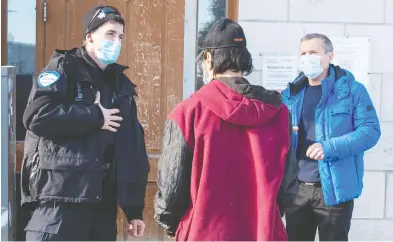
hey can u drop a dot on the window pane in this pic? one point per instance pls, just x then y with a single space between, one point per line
209 11
21 35
21 42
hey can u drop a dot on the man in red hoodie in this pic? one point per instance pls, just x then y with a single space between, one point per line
226 171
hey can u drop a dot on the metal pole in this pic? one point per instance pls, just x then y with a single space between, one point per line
7 152
190 47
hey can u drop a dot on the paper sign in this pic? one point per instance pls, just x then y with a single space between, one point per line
353 54
278 71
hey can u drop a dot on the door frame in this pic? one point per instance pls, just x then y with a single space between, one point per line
40 37
233 9
4 33
190 46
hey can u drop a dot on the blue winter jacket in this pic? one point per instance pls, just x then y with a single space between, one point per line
346 124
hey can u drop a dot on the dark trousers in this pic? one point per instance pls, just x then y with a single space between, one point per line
71 221
309 213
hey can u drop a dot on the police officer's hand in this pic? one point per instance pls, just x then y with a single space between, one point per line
171 237
136 228
111 120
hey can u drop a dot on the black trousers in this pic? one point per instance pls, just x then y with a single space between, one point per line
73 222
309 213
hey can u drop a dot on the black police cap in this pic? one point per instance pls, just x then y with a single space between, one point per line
99 15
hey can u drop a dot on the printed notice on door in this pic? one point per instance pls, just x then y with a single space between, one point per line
353 54
278 71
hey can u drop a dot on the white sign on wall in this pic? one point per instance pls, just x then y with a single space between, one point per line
353 54
278 71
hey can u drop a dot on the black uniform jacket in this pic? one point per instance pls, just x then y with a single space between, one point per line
65 145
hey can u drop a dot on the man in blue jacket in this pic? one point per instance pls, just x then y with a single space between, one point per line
334 124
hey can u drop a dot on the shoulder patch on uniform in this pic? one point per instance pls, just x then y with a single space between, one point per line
47 78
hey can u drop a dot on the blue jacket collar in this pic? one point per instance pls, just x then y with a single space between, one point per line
301 81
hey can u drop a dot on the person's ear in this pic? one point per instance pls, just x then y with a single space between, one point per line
89 38
331 57
208 61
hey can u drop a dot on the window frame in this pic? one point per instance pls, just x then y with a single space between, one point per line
191 41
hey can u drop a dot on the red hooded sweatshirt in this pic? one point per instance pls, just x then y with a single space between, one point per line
222 164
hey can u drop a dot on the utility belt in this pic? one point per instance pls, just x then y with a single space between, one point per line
311 184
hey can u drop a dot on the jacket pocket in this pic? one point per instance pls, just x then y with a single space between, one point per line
84 93
344 176
88 96
341 120
359 170
29 174
67 155
45 219
33 172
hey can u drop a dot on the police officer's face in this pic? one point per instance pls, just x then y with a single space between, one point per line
110 31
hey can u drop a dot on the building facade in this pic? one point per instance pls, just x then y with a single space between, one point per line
162 40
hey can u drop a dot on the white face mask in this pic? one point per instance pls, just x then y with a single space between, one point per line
310 65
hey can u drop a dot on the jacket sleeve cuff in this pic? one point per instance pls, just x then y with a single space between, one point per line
96 111
135 212
327 149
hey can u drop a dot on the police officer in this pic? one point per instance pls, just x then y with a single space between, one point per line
84 149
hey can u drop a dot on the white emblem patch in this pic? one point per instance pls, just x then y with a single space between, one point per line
47 78
101 15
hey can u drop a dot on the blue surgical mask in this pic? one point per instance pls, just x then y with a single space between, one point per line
108 52
310 65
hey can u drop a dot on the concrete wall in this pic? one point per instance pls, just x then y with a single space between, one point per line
276 26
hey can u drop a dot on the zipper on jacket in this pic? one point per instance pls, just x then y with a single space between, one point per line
296 114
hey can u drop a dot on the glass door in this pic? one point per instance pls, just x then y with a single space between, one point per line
209 11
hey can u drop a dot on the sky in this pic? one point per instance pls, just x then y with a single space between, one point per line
22 19
203 12
22 22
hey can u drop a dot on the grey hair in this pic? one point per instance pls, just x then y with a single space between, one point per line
327 42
